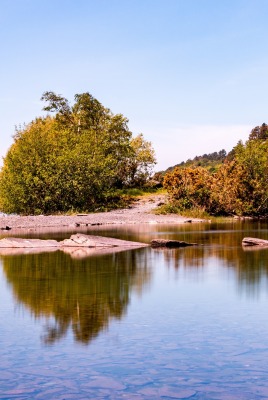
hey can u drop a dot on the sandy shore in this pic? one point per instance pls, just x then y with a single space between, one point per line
140 212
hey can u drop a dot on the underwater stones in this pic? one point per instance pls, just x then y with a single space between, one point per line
170 243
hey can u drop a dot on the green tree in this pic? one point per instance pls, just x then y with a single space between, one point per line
253 158
135 170
259 132
73 160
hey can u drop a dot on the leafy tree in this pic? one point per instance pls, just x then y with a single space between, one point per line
253 158
259 132
73 160
138 168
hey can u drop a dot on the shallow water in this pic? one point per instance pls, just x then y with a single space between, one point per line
140 324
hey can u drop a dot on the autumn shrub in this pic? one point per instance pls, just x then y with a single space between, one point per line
238 187
189 187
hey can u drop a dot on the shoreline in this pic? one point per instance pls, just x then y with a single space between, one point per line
139 212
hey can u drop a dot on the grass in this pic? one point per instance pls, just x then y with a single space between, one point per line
172 209
191 213
135 192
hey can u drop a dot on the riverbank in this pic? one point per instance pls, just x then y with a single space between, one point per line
139 212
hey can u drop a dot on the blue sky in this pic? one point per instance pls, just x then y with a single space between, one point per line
191 75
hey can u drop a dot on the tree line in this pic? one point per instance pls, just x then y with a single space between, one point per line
78 157
75 159
239 186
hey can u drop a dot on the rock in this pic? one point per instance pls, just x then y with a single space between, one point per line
7 228
77 240
248 241
80 240
170 243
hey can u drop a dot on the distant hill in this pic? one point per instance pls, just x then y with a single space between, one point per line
212 161
209 161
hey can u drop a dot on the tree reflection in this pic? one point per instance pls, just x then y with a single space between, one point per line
223 244
82 294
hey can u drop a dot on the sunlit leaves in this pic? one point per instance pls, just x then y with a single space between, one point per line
238 187
73 160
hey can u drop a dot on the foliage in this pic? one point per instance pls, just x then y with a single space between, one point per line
72 161
253 160
140 166
238 187
259 132
190 187
211 161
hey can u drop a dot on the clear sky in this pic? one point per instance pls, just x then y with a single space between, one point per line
191 75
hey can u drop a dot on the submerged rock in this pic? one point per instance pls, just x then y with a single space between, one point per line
6 228
170 243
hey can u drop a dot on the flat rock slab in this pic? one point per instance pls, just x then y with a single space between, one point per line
82 240
248 241
170 243
77 240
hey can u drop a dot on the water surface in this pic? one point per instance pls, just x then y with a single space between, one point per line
140 324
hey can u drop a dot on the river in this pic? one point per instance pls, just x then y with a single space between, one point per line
188 323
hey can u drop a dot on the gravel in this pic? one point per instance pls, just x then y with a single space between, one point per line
140 212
